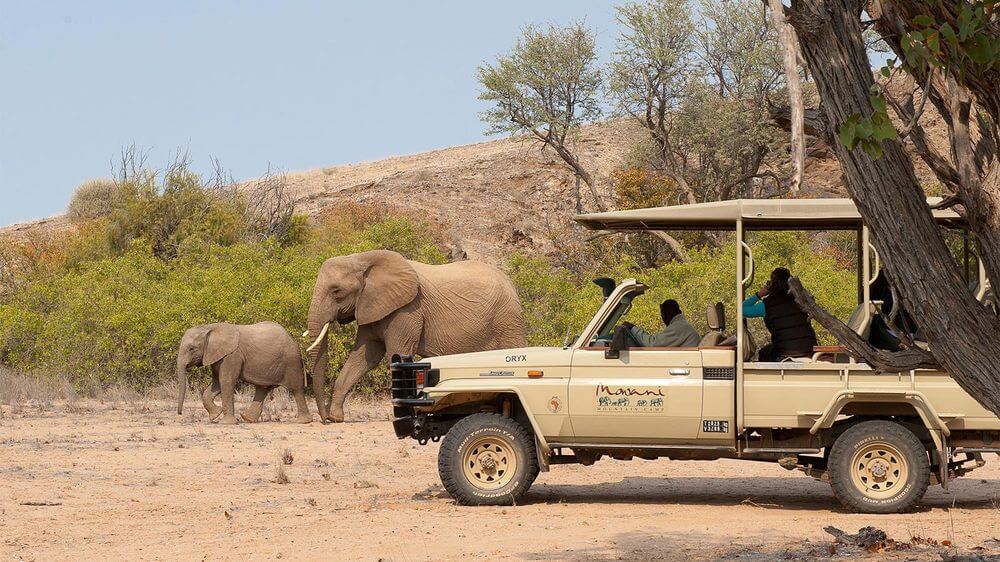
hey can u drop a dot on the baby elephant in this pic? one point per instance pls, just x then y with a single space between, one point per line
263 354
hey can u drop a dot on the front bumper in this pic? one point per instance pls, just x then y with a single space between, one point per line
407 396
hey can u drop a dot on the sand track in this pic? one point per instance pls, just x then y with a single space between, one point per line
139 482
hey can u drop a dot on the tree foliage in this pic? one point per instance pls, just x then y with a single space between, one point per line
546 87
702 93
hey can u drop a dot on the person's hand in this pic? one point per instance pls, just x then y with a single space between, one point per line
764 291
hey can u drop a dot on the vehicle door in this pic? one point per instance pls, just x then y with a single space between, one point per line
638 394
645 394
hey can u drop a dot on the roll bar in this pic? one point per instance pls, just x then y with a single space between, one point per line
748 280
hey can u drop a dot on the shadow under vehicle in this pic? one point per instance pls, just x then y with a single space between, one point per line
879 439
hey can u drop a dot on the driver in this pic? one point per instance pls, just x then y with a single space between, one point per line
678 332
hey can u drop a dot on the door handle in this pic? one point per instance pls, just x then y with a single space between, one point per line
679 372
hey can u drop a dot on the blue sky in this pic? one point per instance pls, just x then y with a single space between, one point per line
293 84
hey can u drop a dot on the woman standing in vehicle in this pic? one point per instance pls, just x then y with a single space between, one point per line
792 334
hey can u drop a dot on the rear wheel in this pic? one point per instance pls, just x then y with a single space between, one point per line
879 467
487 459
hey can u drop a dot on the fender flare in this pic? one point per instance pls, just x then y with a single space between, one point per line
937 427
932 421
542 449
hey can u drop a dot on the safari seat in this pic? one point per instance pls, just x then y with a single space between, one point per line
716 315
859 322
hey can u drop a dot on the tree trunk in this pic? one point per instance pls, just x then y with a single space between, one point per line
979 190
786 36
963 336
573 162
673 243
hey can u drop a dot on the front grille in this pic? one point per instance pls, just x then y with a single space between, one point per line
404 378
719 373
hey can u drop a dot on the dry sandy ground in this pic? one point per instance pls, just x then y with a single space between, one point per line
137 481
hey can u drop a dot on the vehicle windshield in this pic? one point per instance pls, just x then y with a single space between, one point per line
621 309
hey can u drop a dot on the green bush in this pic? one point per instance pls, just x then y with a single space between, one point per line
117 319
557 303
92 199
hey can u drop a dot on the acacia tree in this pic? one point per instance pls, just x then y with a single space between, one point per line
953 48
546 87
649 74
702 93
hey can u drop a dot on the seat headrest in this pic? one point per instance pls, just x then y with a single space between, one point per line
716 314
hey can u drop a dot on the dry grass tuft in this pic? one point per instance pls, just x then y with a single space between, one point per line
280 476
286 457
19 391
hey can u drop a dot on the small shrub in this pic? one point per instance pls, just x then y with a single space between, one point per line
280 476
92 199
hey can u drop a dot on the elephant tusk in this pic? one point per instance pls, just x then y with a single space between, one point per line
319 338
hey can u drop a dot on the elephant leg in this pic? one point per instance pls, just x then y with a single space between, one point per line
251 414
303 415
229 372
365 356
208 399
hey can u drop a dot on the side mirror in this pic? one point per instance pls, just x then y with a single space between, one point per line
618 343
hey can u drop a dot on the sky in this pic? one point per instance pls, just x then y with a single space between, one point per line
293 85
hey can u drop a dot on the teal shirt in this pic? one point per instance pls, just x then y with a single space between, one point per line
753 307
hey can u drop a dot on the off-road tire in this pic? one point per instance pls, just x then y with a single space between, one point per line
493 440
864 461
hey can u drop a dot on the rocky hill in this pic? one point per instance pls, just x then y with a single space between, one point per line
496 197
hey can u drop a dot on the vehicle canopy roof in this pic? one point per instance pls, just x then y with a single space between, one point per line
756 214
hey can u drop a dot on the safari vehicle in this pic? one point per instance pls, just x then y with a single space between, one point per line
879 439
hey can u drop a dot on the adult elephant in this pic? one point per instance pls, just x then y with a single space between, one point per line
263 354
407 308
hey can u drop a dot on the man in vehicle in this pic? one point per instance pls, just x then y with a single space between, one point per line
677 332
792 334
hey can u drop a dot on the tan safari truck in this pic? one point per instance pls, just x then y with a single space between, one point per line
879 439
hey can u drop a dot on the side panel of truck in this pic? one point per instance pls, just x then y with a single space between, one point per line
795 394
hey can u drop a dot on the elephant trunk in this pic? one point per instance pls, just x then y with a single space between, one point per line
319 355
182 383
321 361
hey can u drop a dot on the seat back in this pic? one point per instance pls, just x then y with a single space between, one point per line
716 316
860 322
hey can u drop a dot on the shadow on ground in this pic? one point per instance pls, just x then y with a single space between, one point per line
765 492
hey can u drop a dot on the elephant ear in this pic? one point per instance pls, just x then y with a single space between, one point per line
390 283
222 339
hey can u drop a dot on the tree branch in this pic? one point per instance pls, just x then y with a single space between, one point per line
879 359
813 121
786 37
941 166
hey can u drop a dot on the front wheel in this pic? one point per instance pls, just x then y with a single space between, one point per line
487 459
879 467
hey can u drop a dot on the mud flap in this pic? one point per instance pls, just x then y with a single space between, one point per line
943 456
543 456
